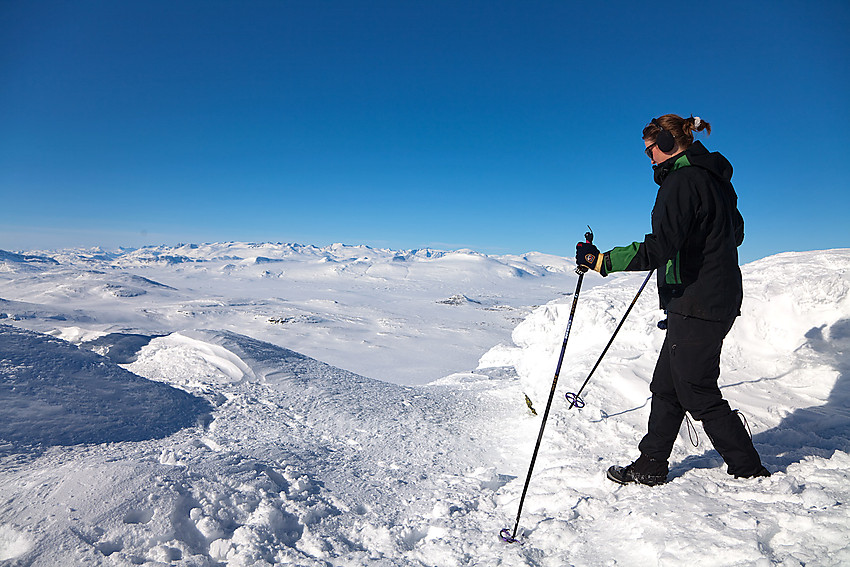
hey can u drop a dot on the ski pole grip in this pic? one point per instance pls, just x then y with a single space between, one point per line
588 237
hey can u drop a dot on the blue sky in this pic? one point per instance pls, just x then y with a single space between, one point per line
504 127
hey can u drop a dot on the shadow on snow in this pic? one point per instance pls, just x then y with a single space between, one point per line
813 431
54 393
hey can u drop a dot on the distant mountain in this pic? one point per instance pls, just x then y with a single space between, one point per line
25 258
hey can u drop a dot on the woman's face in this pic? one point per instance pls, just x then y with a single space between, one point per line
651 149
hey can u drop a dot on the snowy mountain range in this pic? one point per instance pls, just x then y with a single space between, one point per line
259 404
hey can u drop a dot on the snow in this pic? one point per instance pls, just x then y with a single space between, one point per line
381 313
262 404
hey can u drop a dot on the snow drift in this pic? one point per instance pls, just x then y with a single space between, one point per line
54 393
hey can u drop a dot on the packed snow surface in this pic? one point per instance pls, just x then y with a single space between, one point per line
263 404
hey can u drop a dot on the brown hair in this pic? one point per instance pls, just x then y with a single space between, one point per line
682 128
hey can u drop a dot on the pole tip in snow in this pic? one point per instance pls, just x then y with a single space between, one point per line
575 400
507 537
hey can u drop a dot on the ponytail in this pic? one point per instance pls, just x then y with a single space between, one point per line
695 124
682 129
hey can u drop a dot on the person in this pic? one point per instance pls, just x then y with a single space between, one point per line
696 231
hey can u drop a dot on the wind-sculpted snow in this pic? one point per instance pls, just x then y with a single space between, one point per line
304 463
54 393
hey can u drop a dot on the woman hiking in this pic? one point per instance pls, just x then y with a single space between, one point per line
696 231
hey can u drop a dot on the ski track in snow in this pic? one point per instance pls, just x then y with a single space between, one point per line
293 461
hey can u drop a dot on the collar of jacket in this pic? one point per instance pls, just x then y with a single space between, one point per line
678 161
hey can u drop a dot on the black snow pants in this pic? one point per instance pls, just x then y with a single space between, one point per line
685 379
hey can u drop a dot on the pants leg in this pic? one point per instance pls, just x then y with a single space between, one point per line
732 441
666 413
695 346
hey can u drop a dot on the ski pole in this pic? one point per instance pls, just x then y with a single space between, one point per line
574 398
508 536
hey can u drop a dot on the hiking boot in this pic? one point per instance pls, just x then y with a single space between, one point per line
645 470
761 472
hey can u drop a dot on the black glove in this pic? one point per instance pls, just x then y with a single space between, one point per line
588 256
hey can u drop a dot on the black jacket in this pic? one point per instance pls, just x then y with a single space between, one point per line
696 231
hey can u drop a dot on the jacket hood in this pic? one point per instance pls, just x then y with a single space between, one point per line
696 155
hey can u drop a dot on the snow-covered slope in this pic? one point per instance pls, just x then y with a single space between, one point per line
288 460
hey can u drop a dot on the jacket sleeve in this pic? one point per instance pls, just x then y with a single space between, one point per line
672 218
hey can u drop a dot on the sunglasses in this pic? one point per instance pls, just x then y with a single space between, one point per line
649 150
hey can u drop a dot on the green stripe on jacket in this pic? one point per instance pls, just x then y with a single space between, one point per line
673 275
